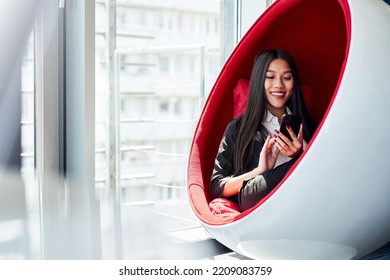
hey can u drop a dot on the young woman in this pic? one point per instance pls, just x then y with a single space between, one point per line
253 155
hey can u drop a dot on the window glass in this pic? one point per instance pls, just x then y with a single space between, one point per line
166 60
164 81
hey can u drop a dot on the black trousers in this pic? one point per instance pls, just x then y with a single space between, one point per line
253 190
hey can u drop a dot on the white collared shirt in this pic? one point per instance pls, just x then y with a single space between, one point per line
271 123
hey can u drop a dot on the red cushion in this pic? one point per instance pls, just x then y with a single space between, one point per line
224 207
240 95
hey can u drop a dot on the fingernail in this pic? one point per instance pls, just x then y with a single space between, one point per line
287 126
277 131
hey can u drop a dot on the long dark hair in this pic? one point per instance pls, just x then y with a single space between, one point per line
255 110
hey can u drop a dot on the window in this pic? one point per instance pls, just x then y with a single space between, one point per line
164 64
159 84
164 107
152 74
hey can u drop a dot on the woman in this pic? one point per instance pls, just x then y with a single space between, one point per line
253 155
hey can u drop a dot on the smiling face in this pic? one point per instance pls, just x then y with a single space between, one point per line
278 86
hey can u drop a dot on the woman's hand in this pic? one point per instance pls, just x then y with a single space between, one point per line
267 160
287 147
268 155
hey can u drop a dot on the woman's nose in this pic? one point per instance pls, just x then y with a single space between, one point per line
278 83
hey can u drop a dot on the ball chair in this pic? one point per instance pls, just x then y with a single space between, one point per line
334 203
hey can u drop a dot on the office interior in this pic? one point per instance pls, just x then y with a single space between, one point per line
99 100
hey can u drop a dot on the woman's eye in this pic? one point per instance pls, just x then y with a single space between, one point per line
288 78
269 77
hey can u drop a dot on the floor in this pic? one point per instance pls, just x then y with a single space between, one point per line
149 231
183 237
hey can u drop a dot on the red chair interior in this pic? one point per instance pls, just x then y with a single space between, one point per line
316 33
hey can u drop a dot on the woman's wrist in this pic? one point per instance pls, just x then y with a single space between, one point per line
258 170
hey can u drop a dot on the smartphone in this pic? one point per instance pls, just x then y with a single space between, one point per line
294 121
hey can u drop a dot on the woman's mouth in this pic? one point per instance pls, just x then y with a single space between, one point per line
278 94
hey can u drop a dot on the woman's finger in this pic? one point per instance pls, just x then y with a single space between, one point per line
276 153
283 138
285 146
280 144
300 133
266 142
292 134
